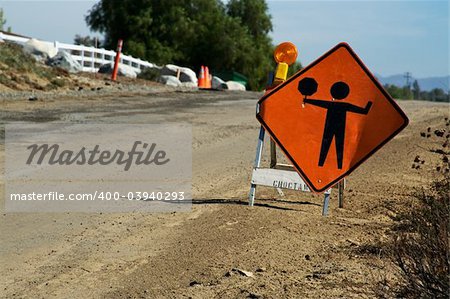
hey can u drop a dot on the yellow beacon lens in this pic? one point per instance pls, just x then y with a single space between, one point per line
285 53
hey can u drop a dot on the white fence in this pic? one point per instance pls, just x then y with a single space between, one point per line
89 57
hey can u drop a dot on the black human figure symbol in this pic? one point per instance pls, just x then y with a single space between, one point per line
336 115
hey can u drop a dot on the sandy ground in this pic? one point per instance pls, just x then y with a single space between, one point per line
291 250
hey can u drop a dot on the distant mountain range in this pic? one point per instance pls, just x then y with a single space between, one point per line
426 84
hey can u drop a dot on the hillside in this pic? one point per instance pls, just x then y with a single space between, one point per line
426 84
20 72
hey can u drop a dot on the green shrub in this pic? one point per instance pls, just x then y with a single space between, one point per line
58 82
150 74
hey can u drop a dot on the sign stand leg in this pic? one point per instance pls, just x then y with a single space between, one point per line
341 194
273 154
259 149
273 161
326 201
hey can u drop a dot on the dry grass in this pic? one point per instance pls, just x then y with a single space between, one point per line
420 236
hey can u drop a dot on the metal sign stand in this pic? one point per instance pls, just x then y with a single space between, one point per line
283 176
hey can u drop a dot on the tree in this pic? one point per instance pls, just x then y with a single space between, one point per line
86 41
438 95
394 91
191 33
294 68
253 15
407 93
3 21
416 90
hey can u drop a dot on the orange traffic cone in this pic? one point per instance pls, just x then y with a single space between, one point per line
201 78
207 78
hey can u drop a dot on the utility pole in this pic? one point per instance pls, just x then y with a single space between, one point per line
408 79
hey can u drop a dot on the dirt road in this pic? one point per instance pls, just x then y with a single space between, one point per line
291 250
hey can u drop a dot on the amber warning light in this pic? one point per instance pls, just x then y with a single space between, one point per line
285 53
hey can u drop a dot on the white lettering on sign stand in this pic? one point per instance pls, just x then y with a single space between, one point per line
276 178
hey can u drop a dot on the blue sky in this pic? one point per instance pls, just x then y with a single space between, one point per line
391 37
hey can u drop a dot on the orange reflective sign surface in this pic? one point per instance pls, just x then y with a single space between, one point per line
330 117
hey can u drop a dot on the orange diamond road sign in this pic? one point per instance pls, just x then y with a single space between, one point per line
330 117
